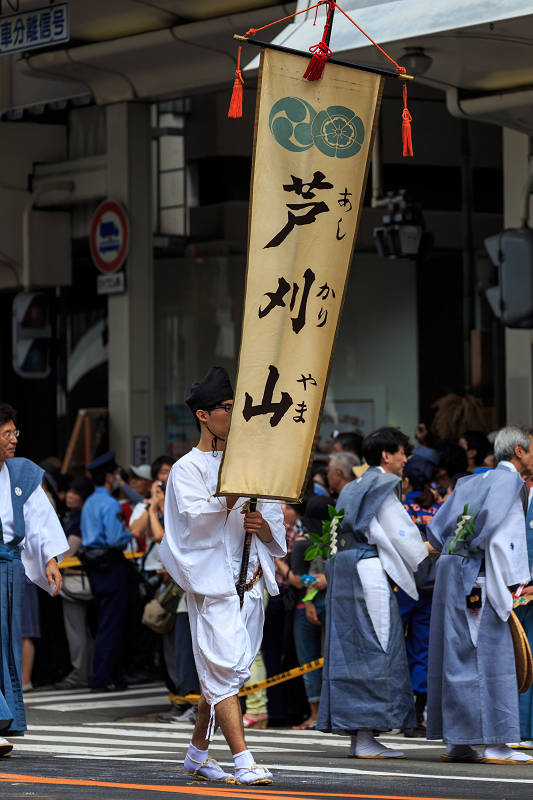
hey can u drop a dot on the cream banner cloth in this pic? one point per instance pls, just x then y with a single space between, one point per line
313 143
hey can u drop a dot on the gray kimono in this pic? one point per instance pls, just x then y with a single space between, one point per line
363 685
472 688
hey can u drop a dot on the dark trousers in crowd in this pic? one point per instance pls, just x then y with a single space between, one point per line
416 617
139 642
286 701
308 640
185 667
110 590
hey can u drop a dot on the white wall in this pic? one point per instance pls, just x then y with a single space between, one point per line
377 350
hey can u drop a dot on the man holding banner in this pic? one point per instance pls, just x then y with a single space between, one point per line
202 550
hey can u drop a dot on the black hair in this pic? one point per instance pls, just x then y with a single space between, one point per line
7 414
351 442
476 440
158 463
452 457
388 440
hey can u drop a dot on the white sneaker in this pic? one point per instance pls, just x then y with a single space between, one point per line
5 748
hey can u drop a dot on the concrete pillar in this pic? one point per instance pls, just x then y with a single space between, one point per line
131 329
518 343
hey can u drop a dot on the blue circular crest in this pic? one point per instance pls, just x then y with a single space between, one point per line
338 132
290 123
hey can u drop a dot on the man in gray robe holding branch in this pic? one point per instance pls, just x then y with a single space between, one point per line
472 686
366 683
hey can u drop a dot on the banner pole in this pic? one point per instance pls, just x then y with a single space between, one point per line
252 506
365 67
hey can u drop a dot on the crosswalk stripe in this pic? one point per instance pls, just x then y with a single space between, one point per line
181 746
59 697
127 702
85 692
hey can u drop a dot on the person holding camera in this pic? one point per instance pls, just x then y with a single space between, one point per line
104 536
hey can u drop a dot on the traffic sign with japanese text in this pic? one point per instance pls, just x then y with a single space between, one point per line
39 27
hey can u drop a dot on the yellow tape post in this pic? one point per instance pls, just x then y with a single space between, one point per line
72 561
275 679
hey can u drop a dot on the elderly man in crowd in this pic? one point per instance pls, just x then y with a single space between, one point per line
480 530
31 542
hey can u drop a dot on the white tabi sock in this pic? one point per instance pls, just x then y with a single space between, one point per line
247 772
198 762
501 751
367 747
462 751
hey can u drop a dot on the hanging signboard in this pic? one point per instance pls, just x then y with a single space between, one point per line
313 144
39 27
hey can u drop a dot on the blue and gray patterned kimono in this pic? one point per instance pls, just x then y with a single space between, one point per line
45 541
365 685
472 686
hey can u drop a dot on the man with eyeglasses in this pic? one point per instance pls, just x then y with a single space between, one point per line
202 550
31 543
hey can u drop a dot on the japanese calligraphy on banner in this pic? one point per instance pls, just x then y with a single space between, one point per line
36 28
313 143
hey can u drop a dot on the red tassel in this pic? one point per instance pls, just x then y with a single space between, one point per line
406 126
315 68
320 51
235 106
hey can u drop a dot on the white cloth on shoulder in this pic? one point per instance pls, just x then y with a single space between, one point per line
399 543
44 535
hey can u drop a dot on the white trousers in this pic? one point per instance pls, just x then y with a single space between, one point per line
377 596
225 640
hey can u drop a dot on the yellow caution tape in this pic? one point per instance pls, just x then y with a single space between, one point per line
275 679
75 562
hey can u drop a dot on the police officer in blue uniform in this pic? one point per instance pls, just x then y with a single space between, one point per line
104 537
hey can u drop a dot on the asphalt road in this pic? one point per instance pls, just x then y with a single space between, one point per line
94 747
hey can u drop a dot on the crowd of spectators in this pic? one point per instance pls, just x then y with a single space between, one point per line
106 633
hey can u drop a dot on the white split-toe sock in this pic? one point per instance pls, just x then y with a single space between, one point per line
527 744
365 746
247 772
500 754
462 752
201 765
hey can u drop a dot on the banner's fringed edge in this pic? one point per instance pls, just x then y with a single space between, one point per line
406 126
235 106
321 53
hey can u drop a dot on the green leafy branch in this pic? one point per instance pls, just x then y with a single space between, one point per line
465 528
326 542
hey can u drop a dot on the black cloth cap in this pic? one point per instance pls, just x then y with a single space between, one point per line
83 486
316 511
215 388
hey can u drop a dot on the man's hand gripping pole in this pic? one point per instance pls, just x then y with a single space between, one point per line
252 506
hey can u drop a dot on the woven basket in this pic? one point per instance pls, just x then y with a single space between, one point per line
522 654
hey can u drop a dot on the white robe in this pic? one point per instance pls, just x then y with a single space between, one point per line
44 535
202 550
203 542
